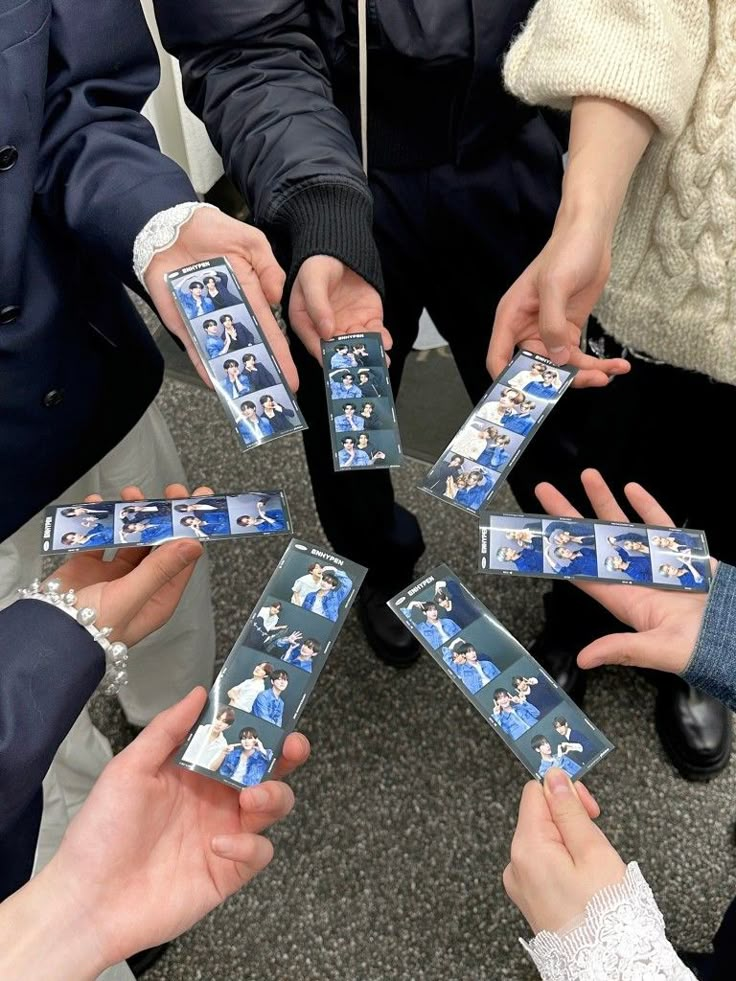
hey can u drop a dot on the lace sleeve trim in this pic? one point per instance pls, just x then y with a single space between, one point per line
160 232
621 935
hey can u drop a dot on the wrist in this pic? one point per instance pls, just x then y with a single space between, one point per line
46 935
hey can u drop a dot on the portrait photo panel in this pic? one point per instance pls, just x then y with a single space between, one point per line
259 513
565 738
72 527
143 522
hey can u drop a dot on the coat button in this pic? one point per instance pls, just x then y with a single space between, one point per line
8 157
54 397
9 314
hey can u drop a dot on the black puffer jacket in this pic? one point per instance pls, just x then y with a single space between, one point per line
276 84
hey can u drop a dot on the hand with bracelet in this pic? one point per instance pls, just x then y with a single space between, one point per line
130 596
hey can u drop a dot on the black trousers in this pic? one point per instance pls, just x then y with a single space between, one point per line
451 240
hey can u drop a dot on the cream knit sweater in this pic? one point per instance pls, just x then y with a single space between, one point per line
672 289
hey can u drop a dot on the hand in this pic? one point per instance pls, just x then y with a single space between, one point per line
559 857
210 233
668 623
137 592
547 307
295 636
156 847
328 300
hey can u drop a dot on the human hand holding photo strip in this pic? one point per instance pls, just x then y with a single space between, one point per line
605 551
363 426
536 719
263 685
481 454
116 524
235 352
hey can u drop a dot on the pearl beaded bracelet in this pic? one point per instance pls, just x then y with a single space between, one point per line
116 653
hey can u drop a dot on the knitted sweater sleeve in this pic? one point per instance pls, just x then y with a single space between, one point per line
649 54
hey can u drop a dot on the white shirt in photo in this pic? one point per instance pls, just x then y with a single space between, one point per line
303 587
247 693
203 751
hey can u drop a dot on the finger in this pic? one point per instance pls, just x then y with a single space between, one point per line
151 749
609 367
132 493
93 499
172 491
203 491
307 333
646 506
587 800
270 274
156 570
554 502
510 883
315 290
262 806
251 852
294 754
601 497
554 328
534 814
628 649
579 835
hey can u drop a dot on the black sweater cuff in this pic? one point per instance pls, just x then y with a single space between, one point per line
334 220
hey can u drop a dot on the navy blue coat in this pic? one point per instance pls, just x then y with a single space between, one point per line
50 667
80 175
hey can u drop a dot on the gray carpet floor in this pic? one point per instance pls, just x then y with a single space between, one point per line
390 866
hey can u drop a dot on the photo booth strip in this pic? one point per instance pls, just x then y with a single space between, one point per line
548 547
322 618
118 524
480 456
256 429
376 441
511 690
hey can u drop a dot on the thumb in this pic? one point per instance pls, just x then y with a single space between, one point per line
629 649
151 749
270 274
553 327
315 290
578 832
158 568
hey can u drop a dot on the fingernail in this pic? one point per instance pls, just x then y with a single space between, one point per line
223 845
558 781
258 797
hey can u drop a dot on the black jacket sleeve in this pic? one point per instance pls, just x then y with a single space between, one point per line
256 77
101 175
49 667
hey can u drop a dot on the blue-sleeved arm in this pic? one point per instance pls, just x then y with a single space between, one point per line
101 174
49 667
712 667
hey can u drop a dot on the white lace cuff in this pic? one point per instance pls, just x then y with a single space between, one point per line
621 935
160 232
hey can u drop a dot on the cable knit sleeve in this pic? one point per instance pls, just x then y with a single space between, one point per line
649 54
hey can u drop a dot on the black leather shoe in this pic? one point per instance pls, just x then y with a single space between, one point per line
695 729
388 637
140 962
561 663
699 964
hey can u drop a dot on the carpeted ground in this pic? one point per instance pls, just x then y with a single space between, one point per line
390 867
